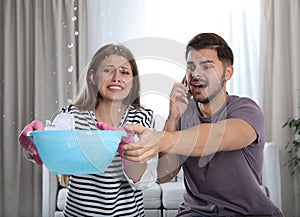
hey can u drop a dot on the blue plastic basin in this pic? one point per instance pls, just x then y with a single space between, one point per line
77 151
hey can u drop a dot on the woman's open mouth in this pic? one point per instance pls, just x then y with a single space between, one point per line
115 87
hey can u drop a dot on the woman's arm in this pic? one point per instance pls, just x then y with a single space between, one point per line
143 174
168 164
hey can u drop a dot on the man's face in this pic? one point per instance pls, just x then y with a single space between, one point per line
205 75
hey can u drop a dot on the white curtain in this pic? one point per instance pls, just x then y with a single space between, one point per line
279 84
236 21
42 51
115 21
174 23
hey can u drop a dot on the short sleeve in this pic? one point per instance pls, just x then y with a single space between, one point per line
247 110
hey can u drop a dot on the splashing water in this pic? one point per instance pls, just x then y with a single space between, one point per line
70 68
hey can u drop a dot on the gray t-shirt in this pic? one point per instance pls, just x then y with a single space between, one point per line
226 183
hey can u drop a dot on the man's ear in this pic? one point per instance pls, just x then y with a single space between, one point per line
92 76
228 72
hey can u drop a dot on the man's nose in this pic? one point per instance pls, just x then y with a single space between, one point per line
197 73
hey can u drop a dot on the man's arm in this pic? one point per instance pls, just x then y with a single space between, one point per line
169 164
200 140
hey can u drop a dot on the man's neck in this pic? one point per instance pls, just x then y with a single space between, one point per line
208 109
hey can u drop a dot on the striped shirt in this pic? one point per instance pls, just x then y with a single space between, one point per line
110 193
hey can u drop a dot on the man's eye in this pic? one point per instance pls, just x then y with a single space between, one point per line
190 68
207 67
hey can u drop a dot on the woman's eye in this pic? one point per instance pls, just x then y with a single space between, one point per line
107 70
125 72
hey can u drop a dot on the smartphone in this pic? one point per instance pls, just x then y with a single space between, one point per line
186 99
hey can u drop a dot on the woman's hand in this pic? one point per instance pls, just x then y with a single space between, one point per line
134 170
124 140
27 141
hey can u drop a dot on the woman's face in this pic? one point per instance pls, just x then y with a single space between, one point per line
114 78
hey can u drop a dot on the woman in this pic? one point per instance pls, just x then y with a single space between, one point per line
110 95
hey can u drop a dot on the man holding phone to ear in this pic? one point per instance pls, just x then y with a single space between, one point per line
217 138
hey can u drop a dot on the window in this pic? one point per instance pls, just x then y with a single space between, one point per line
155 26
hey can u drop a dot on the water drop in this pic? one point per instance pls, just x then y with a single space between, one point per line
75 8
70 45
70 68
76 33
74 18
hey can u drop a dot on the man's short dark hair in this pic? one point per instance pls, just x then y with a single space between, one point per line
211 41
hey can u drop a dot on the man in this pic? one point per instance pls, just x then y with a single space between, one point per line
217 138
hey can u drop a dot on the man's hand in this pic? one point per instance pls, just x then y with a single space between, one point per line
178 105
27 141
150 143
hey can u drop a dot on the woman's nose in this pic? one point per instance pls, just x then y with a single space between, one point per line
116 76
